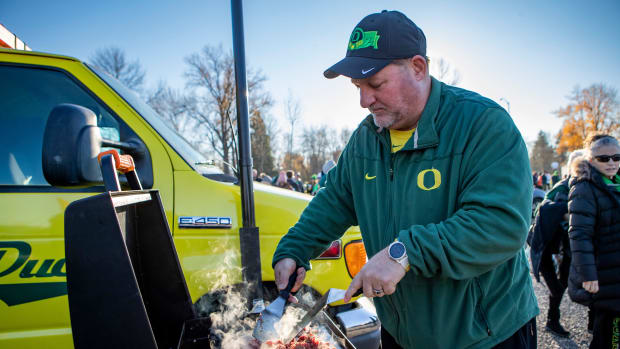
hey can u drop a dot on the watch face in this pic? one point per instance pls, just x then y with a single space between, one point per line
397 250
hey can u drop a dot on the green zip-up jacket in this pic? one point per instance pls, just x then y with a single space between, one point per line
459 196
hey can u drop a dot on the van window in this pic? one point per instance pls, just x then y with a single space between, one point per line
28 97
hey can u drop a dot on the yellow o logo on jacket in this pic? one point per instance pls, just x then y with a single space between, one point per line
436 177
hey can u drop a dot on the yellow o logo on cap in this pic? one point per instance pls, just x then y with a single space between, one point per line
437 179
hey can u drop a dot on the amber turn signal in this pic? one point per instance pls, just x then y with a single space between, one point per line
355 257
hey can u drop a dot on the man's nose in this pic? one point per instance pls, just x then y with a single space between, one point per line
367 97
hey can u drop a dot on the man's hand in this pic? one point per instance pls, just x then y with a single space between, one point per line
283 270
378 277
590 286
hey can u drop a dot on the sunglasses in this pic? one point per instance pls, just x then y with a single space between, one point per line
606 158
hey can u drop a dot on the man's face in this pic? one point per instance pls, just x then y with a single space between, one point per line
610 167
392 96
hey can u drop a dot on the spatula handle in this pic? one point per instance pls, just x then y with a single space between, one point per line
291 282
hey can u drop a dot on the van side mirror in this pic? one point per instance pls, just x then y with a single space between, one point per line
71 143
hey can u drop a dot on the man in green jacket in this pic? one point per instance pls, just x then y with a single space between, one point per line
438 180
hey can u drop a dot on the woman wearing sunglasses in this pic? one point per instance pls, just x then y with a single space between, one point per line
594 229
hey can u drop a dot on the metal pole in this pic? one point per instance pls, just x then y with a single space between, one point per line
248 233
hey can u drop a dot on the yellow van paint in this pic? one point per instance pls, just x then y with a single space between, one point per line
276 210
210 258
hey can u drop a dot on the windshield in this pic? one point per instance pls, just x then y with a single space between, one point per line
194 158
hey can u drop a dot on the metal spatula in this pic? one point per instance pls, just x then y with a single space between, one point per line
331 296
265 325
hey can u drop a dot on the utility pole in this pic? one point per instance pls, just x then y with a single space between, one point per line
248 233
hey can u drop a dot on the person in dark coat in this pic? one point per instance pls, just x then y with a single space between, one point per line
290 179
594 209
549 236
555 178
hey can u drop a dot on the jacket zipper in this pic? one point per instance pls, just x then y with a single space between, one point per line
482 312
388 218
391 193
384 140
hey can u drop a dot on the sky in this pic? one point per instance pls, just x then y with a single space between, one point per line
528 54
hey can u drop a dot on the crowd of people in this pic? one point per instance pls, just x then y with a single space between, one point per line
293 181
545 180
575 240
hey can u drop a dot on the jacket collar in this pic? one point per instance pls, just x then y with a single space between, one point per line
425 135
582 170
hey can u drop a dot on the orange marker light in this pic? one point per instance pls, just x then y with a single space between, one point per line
355 257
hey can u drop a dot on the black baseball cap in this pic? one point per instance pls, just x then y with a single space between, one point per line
376 41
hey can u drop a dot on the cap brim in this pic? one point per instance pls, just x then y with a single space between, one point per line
356 67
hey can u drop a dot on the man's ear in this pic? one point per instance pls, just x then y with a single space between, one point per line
420 66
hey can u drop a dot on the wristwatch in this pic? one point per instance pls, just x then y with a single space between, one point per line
398 252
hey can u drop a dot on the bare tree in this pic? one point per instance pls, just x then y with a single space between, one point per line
341 142
271 125
333 146
293 116
173 106
316 144
211 72
442 70
112 60
345 135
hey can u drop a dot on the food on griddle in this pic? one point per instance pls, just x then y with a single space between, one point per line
307 339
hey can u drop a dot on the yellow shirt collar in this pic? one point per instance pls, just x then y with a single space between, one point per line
400 138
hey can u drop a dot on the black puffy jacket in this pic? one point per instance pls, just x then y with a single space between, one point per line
594 210
547 230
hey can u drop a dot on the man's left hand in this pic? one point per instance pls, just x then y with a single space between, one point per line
378 277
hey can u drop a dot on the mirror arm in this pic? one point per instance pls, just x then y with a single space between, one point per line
128 147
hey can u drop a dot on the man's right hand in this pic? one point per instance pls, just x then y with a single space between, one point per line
283 270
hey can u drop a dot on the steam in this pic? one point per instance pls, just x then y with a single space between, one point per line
292 315
227 306
231 327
